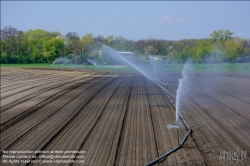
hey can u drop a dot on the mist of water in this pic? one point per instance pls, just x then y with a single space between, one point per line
219 67
153 63
181 90
93 62
132 61
150 69
60 60
152 75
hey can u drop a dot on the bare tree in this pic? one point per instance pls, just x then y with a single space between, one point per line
75 43
73 36
99 41
99 38
8 32
9 35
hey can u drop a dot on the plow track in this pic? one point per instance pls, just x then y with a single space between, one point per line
217 108
120 118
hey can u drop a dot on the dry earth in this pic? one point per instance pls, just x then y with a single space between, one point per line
121 118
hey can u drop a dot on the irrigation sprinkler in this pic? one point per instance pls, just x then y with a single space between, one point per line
161 85
182 118
167 93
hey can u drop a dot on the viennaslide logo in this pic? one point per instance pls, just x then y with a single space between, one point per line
237 155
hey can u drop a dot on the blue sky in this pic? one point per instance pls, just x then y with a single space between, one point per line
133 20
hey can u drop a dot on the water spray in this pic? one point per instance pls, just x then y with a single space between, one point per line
234 61
169 126
179 115
152 63
161 85
122 59
93 62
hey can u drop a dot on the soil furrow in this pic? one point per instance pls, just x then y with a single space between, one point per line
10 102
39 139
31 122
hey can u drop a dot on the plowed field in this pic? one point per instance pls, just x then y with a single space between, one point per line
120 118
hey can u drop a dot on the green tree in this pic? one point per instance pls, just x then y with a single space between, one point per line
53 48
182 56
3 47
201 51
35 50
221 35
215 35
37 34
233 50
118 43
171 51
66 49
227 34
109 40
217 52
150 50
3 52
87 42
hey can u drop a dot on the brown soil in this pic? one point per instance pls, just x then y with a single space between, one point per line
121 118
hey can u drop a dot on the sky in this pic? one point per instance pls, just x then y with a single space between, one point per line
134 20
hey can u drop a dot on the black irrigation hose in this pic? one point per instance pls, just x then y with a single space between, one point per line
159 83
184 121
171 151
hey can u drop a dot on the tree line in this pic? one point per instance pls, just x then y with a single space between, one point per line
40 46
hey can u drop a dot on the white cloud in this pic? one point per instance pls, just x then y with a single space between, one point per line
165 19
